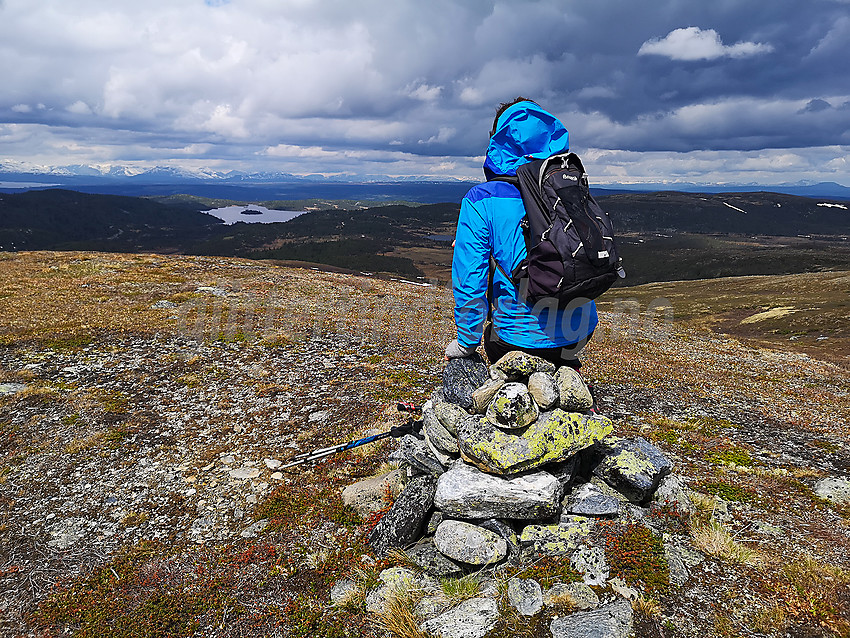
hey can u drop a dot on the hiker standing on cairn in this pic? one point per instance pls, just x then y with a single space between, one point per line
490 225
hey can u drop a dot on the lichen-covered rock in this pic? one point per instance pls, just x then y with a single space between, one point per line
416 453
483 395
553 437
449 414
520 365
573 392
429 559
467 492
611 621
403 523
369 495
544 390
470 544
556 540
526 595
444 440
571 595
473 618
634 467
512 407
461 377
589 500
591 564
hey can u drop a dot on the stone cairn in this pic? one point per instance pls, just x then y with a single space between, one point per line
511 464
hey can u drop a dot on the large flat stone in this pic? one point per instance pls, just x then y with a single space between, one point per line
553 437
467 492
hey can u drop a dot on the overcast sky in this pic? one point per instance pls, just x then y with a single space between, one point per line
672 90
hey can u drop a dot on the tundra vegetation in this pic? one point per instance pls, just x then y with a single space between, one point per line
148 402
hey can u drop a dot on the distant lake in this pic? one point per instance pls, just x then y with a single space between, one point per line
233 214
17 185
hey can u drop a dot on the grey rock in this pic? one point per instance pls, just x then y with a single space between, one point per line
591 563
679 572
557 540
11 388
394 580
836 490
461 377
444 459
572 390
525 595
467 492
368 496
434 521
673 490
449 414
442 439
520 365
571 595
483 395
342 591
589 500
252 530
498 375
162 305
430 560
544 389
512 407
564 471
472 618
415 453
403 523
607 490
633 467
611 621
470 544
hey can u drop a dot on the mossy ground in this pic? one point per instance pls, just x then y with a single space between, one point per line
752 421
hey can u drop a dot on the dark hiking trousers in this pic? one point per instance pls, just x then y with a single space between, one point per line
564 356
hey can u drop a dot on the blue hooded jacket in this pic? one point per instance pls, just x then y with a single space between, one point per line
489 223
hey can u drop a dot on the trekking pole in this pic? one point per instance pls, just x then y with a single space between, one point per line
412 426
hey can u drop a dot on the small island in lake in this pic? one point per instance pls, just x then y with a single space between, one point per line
251 211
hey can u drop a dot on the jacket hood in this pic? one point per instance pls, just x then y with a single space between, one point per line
524 132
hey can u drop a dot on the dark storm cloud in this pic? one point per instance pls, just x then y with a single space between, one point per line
409 87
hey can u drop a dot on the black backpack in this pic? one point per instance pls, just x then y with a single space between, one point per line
568 237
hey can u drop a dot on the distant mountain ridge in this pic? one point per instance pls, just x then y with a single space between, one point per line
111 176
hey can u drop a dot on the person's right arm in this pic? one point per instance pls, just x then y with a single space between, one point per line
470 266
